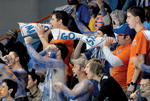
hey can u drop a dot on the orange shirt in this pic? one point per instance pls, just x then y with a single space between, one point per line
69 44
139 46
120 73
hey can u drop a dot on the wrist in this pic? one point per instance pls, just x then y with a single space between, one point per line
41 36
132 83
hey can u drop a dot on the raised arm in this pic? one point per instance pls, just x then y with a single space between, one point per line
106 17
110 57
83 29
43 61
77 51
43 35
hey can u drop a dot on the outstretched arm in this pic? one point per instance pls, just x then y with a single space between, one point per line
42 61
83 29
79 90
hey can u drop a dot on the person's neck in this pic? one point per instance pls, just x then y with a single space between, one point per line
63 27
33 89
59 58
97 78
82 77
139 27
16 66
9 98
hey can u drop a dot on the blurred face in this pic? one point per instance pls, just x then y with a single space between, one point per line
116 22
88 72
99 34
12 60
121 39
131 20
69 2
54 22
76 70
145 86
30 82
4 92
10 38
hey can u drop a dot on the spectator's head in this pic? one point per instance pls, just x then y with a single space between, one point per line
124 34
105 30
72 2
94 68
118 18
59 19
62 50
15 57
33 80
145 86
8 88
135 16
11 35
79 66
147 13
93 9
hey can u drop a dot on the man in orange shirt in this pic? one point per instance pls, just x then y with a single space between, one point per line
120 57
59 20
139 47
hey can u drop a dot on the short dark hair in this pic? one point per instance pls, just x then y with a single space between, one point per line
96 66
62 15
137 11
63 49
146 76
34 76
11 84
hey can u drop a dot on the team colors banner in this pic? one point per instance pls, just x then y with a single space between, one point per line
91 41
29 28
147 34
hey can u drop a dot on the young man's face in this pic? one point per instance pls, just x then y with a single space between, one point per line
76 70
30 82
4 92
145 86
121 39
131 20
12 59
54 21
88 72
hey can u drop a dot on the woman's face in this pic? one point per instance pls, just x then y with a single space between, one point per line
99 34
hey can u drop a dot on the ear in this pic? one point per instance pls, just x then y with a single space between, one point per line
138 18
82 69
10 90
17 59
60 21
35 81
127 37
58 52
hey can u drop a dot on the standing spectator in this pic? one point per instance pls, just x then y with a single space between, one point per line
34 94
81 91
139 47
119 59
55 69
8 90
109 88
59 20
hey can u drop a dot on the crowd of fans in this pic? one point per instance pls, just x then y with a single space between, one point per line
65 71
